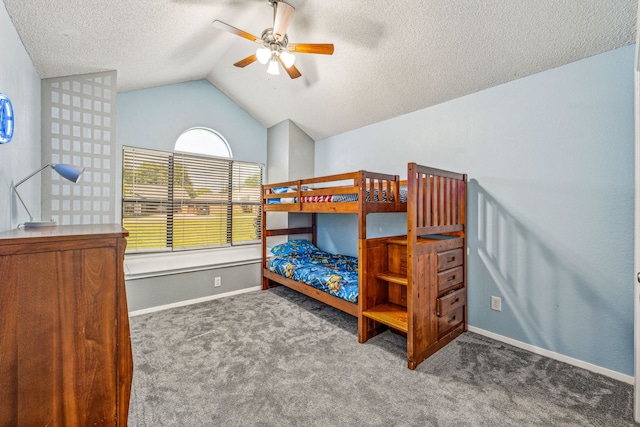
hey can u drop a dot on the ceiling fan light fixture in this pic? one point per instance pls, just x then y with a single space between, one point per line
273 68
275 49
263 54
287 58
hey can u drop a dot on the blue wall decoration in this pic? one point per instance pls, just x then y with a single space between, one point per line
6 119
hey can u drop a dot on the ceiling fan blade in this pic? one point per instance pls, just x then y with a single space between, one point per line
246 61
322 49
284 12
292 71
233 30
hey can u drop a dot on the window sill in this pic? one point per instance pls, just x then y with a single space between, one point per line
140 266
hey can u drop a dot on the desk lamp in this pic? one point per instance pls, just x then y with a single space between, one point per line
69 172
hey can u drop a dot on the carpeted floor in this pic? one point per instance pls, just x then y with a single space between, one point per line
277 358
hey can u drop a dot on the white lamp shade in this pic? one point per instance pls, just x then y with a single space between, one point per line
288 59
263 54
273 68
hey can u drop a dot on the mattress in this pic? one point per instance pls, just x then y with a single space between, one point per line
336 275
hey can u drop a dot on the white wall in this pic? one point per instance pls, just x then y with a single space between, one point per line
20 82
550 163
301 153
278 153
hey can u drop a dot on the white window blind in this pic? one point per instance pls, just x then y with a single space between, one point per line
176 201
247 181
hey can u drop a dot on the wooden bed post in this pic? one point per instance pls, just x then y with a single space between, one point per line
314 233
263 240
362 201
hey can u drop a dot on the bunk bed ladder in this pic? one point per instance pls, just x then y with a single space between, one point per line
415 284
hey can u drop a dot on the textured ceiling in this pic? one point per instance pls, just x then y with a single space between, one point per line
391 57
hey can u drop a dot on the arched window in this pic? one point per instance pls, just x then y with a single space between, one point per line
192 198
203 141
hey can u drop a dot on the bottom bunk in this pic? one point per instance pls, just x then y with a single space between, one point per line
330 278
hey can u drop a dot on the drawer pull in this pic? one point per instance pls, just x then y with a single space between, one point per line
455 300
453 276
451 259
453 319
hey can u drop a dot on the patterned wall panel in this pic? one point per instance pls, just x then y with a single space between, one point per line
79 128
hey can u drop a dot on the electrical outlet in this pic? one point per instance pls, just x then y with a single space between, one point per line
217 282
496 303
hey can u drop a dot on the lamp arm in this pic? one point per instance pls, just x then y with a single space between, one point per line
39 170
18 194
22 201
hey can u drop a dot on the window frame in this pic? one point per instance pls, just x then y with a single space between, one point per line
136 207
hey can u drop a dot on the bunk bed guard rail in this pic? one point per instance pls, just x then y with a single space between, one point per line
436 200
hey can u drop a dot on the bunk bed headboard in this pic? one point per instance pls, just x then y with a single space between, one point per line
436 202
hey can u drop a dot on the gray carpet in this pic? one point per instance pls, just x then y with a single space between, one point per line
277 358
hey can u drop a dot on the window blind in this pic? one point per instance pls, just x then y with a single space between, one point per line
247 181
176 201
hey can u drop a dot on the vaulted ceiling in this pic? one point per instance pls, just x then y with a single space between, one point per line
391 57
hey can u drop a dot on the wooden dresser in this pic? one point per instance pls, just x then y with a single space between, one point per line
65 349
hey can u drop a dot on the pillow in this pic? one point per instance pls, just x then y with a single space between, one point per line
294 247
277 190
282 190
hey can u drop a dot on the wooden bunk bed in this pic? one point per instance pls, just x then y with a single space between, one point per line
414 284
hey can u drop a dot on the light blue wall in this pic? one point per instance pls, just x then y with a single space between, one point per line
20 82
550 162
154 118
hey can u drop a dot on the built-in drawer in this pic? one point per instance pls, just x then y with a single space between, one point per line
450 321
452 301
450 278
449 259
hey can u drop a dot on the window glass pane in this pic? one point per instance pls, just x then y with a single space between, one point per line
247 181
145 199
179 201
203 141
200 201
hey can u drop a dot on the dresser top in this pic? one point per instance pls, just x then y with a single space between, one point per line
62 232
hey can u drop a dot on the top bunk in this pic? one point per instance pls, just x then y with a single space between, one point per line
358 192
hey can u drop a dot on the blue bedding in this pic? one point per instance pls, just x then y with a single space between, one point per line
336 275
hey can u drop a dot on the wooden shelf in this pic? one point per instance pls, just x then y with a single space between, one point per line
393 278
392 315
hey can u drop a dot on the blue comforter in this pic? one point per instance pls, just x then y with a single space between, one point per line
334 274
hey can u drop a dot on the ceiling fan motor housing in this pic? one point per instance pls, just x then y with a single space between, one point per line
270 41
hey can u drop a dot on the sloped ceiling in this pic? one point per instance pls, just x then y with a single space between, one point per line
391 57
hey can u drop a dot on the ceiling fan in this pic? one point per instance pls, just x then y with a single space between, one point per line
276 48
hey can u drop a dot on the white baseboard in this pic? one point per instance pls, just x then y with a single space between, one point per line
191 301
556 356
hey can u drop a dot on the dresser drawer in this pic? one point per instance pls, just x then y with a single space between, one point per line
452 301
449 278
449 259
450 321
